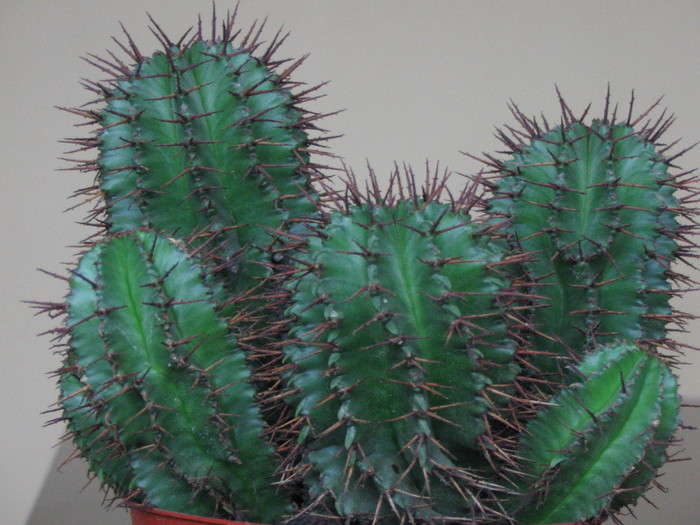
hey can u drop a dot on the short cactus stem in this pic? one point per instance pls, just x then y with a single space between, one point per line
598 444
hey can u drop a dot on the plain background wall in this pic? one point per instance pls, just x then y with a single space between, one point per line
418 80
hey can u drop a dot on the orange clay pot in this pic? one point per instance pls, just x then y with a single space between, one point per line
146 516
597 522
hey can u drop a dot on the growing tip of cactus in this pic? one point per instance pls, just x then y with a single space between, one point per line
213 126
604 214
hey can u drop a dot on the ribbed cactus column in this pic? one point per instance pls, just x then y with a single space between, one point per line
156 390
597 446
595 207
207 141
399 348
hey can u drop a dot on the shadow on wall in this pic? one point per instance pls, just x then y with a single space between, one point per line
68 497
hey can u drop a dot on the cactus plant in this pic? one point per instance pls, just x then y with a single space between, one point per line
242 340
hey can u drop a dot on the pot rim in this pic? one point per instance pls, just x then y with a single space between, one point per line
185 518
191 518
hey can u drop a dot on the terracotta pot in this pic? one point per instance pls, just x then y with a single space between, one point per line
598 522
147 516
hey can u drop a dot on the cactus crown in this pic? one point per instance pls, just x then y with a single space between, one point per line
213 128
241 340
599 210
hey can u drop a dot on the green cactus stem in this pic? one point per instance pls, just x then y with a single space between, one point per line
155 389
399 348
597 445
597 208
205 140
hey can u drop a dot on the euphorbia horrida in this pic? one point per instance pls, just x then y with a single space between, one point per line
243 339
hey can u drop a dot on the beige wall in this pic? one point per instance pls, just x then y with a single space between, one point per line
418 79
